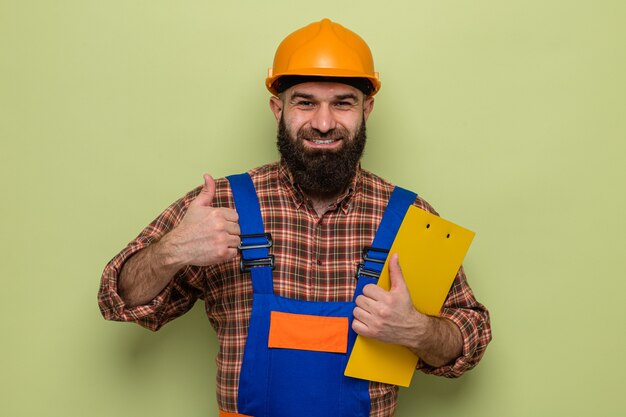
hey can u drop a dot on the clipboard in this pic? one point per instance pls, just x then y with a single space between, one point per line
431 250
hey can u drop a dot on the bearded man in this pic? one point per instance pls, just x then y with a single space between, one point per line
274 254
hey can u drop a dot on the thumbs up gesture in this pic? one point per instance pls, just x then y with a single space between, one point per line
206 235
388 316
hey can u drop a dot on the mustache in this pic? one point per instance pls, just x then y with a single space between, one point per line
338 133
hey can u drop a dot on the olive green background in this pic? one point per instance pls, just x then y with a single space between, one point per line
508 116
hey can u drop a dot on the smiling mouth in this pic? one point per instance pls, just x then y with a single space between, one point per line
322 141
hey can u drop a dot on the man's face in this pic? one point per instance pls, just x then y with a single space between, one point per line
321 133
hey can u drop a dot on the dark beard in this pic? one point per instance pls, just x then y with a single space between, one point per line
321 172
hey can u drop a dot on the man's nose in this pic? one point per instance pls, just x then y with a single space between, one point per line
323 119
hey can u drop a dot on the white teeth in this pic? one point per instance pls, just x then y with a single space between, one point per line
323 142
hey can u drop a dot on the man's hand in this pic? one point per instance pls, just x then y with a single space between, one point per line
389 316
206 235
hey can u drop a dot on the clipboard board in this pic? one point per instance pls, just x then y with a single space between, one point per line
431 250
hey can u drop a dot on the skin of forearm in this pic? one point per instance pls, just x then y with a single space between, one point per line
439 342
147 272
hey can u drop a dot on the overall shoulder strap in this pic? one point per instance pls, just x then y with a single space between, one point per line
255 243
374 256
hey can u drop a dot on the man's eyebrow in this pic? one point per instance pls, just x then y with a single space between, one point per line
347 96
297 94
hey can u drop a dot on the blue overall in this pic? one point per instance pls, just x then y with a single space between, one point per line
284 382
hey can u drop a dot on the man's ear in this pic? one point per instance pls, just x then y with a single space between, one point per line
276 105
368 106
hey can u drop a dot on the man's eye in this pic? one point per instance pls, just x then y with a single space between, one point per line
305 103
344 104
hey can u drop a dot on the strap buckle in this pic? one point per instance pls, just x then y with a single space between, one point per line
246 265
370 273
268 236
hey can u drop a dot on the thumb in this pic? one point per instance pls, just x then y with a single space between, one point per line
205 198
396 279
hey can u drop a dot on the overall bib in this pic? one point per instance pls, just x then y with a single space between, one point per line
296 351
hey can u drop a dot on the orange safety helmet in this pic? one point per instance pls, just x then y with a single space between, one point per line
323 49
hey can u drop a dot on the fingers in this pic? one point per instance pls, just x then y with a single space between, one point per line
228 228
209 187
233 242
396 278
366 323
365 303
359 326
224 254
374 292
367 308
205 198
232 228
362 314
207 195
229 214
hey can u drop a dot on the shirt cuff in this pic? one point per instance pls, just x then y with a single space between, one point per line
113 307
471 352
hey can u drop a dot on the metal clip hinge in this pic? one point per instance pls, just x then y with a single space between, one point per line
268 236
246 265
361 271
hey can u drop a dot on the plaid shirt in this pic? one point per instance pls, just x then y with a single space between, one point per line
316 259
